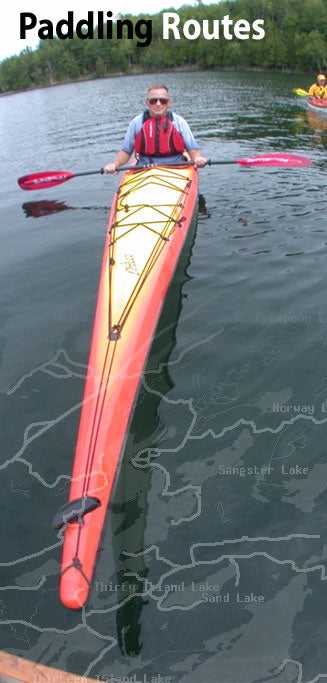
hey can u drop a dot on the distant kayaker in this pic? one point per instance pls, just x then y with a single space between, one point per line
319 89
158 135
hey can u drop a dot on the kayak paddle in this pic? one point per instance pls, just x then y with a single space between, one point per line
43 179
274 159
301 92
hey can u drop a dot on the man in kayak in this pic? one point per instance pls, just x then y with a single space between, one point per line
319 89
157 135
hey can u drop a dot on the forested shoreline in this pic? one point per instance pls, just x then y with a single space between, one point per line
295 39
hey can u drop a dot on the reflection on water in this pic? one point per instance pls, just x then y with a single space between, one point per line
44 208
129 506
202 207
310 120
316 121
48 207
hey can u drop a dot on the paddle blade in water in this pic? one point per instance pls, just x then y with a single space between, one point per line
275 159
39 181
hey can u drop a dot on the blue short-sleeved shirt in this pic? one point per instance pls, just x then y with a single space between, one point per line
182 127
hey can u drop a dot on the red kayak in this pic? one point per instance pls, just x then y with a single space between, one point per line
149 220
317 104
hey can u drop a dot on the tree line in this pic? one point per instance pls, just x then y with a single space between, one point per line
295 38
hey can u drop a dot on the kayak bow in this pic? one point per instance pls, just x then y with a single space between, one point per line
149 220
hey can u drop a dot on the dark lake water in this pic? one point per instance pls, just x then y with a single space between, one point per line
212 563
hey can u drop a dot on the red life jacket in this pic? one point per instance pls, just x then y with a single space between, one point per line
158 137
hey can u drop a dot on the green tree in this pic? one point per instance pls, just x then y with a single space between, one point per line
296 37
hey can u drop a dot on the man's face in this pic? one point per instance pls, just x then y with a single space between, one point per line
156 107
321 81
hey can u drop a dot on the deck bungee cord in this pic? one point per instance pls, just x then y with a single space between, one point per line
167 220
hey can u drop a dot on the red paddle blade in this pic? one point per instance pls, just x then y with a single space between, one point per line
39 181
275 159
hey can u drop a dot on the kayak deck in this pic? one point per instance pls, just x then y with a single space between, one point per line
150 217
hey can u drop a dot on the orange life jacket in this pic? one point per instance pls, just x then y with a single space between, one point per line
158 137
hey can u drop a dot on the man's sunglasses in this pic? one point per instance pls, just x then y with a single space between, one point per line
154 100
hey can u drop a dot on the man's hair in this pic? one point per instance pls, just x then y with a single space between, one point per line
158 86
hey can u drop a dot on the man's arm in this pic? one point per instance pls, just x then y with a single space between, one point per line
127 147
121 158
197 157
